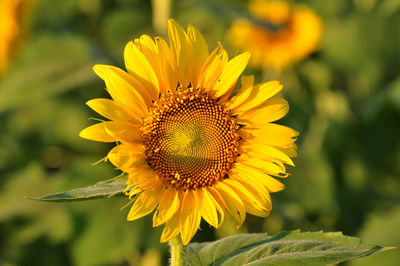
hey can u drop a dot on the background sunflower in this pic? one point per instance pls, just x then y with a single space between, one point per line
344 100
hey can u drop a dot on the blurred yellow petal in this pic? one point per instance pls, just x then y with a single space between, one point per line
16 18
297 36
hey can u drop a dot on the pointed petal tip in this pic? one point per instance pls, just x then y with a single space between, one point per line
99 70
96 132
247 55
82 134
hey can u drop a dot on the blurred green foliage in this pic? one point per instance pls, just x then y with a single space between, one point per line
345 101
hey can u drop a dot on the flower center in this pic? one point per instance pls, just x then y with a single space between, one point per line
191 140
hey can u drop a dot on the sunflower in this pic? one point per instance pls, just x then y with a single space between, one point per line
190 150
297 34
14 16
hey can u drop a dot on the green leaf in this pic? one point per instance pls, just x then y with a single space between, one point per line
48 66
106 189
379 226
284 248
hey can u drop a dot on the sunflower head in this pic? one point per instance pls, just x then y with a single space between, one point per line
190 150
297 35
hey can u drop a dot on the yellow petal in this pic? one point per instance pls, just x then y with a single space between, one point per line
168 69
149 181
172 228
219 203
272 110
230 74
140 68
259 94
232 201
126 156
161 59
253 184
144 204
149 49
140 169
168 206
268 167
97 132
190 216
123 131
243 93
198 54
178 41
256 176
208 208
269 134
112 110
253 204
212 68
290 150
265 152
121 89
133 86
132 191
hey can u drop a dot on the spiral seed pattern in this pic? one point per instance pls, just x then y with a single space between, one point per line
191 140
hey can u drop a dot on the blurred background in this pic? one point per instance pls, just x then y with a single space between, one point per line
344 98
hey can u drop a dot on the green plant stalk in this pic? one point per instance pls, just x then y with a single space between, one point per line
161 14
178 251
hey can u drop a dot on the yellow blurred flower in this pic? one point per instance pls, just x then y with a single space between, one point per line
14 16
297 35
190 150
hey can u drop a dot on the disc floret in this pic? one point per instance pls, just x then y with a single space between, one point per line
191 140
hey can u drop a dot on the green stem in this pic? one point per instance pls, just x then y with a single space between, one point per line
161 14
178 251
